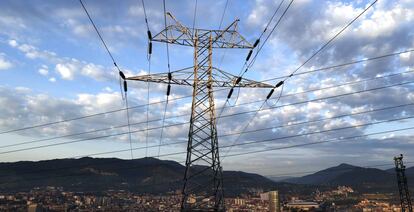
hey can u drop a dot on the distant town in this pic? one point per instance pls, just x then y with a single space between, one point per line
343 198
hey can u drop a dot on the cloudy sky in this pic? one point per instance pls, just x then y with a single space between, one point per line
53 67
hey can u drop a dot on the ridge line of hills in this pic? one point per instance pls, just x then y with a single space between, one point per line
150 175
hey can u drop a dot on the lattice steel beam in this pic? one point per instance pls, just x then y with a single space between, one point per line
405 199
203 181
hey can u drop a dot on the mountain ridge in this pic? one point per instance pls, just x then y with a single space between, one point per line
146 175
365 179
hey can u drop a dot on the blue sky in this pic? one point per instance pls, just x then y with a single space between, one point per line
53 67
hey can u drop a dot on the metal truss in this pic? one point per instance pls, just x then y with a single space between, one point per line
405 199
186 77
203 181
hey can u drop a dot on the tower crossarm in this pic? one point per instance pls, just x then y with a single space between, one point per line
177 33
186 77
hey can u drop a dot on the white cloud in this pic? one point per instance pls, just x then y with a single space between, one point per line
66 67
43 71
4 63
256 16
52 79
94 71
385 22
136 11
13 43
66 71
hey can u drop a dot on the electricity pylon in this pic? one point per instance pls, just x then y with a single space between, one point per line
203 183
405 198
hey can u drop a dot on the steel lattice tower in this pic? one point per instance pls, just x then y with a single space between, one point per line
405 198
203 183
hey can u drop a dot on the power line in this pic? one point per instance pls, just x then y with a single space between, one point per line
129 124
334 37
274 107
252 152
323 46
104 44
169 78
106 136
318 132
149 71
241 74
342 65
195 14
320 142
281 83
224 13
254 58
221 116
95 114
279 138
241 104
188 96
145 15
268 36
267 128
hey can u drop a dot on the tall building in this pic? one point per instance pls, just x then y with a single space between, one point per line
274 204
35 208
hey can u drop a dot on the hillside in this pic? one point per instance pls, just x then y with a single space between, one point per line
147 175
363 179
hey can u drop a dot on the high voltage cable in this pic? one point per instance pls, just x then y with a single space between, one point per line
326 44
224 12
244 112
148 103
241 74
318 132
221 22
223 55
265 29
169 78
105 136
279 138
243 129
311 143
241 104
341 65
145 14
248 65
334 37
195 15
323 46
128 122
96 114
261 129
162 127
221 116
268 36
320 142
188 96
281 83
274 107
104 44
149 71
